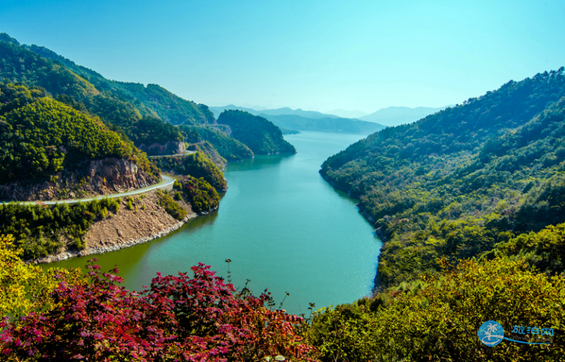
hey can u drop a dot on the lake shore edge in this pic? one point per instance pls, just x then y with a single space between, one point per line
125 229
107 249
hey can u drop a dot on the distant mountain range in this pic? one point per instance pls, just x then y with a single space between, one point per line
343 113
394 116
300 120
274 112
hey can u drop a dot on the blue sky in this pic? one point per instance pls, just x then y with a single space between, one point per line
314 55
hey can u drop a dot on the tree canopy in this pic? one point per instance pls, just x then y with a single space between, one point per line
458 182
257 133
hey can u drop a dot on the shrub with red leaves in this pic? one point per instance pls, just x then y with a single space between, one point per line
176 319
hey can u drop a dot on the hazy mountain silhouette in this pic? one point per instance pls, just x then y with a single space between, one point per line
393 116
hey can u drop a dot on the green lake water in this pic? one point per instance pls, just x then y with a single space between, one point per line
281 224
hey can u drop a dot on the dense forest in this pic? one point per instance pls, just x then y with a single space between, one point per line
45 68
210 151
57 118
257 133
460 181
194 164
129 109
41 136
201 195
150 130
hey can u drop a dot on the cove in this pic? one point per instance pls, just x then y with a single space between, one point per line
281 224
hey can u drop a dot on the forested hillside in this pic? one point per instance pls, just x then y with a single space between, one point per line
228 147
462 180
151 100
42 137
196 165
257 133
140 113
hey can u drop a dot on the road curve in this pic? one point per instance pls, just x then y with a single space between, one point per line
166 184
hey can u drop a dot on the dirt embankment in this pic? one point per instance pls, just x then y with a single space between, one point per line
145 221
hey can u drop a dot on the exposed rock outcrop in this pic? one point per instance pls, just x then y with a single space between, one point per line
91 178
169 148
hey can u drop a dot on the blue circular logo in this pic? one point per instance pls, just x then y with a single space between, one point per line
491 333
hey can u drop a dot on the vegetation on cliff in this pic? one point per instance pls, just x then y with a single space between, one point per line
168 106
41 136
469 202
228 147
201 195
257 133
127 108
194 164
170 205
208 149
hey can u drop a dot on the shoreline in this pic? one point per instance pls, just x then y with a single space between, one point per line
378 231
114 247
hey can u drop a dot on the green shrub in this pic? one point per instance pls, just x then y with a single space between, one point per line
201 195
172 208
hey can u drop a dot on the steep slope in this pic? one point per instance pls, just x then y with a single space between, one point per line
151 100
127 108
228 147
196 165
257 133
51 150
457 182
168 106
156 137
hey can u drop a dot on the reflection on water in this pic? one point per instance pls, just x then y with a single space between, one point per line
280 223
259 162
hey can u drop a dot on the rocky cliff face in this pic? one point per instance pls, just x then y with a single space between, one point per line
91 178
169 148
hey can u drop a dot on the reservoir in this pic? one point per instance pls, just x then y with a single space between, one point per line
283 227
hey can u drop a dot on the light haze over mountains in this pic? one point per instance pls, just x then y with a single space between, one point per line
393 116
298 119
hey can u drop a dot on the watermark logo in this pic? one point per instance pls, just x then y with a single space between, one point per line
491 333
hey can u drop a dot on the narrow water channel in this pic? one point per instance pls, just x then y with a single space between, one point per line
281 224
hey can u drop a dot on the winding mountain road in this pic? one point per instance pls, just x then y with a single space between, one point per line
165 184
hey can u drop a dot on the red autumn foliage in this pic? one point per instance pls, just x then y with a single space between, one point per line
176 319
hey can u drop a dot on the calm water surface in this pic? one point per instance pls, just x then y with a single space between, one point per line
280 223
